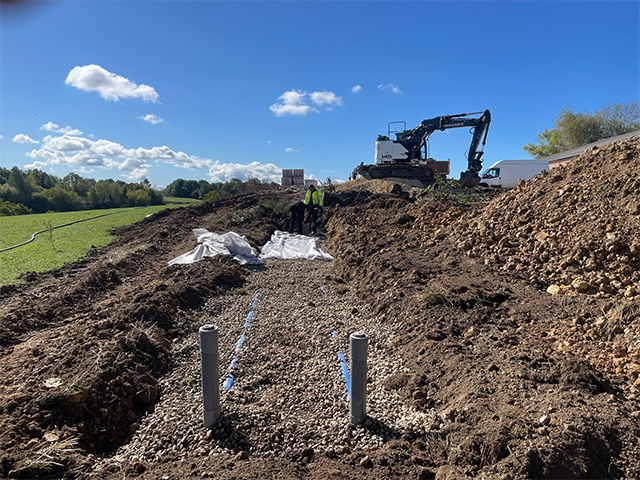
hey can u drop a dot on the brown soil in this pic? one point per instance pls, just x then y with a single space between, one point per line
516 321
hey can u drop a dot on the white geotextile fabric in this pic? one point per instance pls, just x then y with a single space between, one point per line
290 246
229 244
282 245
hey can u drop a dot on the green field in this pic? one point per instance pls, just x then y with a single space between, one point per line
172 200
55 248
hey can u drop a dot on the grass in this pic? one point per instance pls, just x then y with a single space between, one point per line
55 248
178 200
617 318
430 296
447 189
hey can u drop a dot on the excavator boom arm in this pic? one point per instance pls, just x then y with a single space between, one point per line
413 140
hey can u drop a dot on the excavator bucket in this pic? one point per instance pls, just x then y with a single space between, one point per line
469 179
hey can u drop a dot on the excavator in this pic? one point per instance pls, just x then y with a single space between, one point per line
406 156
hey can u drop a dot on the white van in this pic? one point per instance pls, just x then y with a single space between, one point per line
505 173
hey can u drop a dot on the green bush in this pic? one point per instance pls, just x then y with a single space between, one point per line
9 208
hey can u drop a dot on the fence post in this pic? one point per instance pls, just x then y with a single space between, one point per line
210 378
358 402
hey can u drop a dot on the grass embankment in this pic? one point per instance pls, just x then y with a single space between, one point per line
57 247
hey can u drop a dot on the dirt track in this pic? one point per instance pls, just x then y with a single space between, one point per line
478 369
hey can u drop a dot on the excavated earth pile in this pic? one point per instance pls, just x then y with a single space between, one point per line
503 340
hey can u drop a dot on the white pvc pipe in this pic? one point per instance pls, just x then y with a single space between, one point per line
358 402
210 378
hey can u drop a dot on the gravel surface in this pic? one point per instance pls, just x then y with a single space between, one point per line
289 396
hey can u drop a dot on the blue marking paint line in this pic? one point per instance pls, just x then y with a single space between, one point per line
343 361
228 383
240 342
345 373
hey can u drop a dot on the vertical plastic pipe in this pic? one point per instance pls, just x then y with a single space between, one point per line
358 402
210 379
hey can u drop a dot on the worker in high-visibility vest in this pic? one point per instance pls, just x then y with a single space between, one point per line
313 202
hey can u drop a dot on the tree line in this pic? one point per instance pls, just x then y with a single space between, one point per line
574 130
214 192
34 191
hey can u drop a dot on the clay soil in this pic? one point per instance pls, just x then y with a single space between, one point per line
515 319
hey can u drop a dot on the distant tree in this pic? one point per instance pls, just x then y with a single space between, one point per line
63 200
78 184
204 187
40 179
8 192
142 197
183 189
215 196
621 118
4 175
8 208
252 185
18 180
576 129
39 203
108 194
173 188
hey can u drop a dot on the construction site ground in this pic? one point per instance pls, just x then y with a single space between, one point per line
503 339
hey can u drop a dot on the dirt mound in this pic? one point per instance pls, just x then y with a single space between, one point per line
481 347
496 377
573 229
380 186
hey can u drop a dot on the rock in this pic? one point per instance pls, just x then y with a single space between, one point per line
419 394
544 420
580 285
78 397
366 462
425 473
470 333
554 289
242 455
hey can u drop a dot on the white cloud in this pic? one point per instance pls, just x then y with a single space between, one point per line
94 78
152 119
86 155
52 127
392 88
356 89
22 138
326 98
223 172
289 149
295 102
82 153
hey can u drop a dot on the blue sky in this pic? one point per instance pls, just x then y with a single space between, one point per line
215 90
